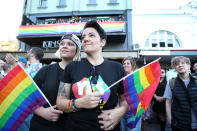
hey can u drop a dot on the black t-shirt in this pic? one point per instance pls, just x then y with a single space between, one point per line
48 79
80 74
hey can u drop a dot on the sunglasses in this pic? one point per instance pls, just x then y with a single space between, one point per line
70 36
93 80
94 77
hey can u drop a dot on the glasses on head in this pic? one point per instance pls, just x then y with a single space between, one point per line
72 36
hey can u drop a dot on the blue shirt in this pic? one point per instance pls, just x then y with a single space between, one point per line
170 74
33 69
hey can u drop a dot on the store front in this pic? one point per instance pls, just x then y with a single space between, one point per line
47 36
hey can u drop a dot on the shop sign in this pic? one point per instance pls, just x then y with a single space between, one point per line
51 44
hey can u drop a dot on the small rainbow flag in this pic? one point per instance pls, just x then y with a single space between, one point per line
19 97
140 87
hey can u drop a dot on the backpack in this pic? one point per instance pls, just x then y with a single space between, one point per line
172 81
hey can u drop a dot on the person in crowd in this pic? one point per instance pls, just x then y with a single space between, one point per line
181 98
83 92
129 65
47 79
166 70
2 63
23 62
159 102
35 54
171 73
195 69
6 68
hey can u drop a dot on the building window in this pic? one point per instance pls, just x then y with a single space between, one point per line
43 3
162 39
92 1
62 3
112 1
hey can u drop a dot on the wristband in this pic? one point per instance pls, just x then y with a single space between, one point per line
74 106
69 105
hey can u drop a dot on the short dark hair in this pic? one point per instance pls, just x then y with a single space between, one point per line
97 27
38 52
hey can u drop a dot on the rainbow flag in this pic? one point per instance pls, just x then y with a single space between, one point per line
59 29
140 87
19 97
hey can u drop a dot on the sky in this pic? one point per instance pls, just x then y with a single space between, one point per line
11 15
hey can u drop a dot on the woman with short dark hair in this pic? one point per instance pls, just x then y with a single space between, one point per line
83 93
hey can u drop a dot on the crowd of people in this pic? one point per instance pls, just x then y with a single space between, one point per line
79 19
75 89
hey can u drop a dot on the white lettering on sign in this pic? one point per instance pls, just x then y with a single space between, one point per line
51 44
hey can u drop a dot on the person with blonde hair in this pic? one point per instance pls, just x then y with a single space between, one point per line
47 79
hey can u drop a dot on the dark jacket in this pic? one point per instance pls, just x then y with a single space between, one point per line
183 100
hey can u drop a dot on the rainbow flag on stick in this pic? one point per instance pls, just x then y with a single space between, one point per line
140 87
19 97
